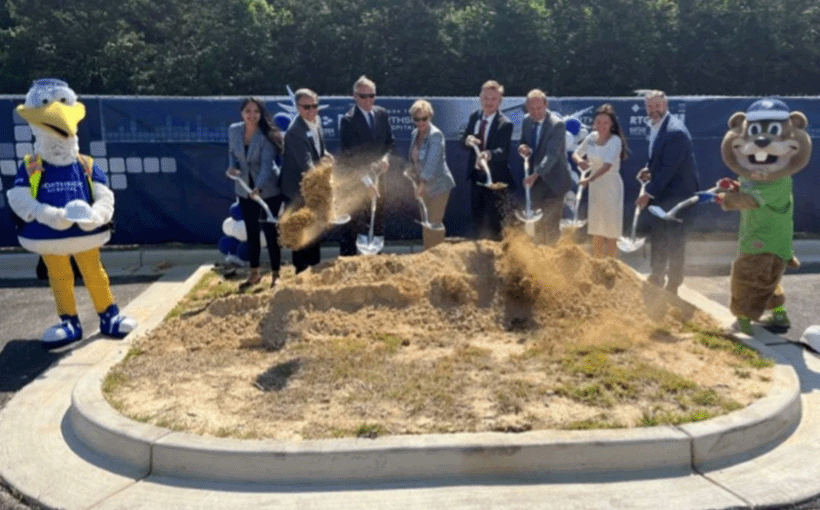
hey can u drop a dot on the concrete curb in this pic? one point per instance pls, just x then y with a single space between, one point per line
721 441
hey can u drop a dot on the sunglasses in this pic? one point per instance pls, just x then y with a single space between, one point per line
420 119
309 106
366 96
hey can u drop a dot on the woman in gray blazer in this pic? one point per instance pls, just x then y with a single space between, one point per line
252 144
430 165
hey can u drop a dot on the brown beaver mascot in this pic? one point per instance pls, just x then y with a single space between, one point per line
764 146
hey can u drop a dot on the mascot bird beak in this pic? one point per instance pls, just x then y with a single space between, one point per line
55 117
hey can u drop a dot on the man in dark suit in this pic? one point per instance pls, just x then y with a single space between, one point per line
543 142
674 178
490 130
365 138
304 147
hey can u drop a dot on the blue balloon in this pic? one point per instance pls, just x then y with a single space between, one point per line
573 125
236 211
227 245
282 120
242 251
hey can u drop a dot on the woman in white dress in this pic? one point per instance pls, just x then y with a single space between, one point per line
602 152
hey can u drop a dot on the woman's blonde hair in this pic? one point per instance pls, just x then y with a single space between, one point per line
423 107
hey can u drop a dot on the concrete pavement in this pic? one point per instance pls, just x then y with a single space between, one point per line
62 446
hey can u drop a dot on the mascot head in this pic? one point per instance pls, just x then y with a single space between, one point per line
766 143
53 112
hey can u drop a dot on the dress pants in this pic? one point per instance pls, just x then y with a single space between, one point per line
668 239
251 212
487 211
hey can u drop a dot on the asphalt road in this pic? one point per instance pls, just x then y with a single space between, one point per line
28 308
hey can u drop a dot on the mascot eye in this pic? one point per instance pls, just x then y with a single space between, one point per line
754 129
775 129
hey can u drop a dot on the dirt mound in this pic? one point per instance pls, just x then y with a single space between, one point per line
459 289
473 336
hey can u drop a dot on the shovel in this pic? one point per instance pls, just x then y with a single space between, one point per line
574 222
528 215
633 244
482 163
370 244
671 215
425 220
269 217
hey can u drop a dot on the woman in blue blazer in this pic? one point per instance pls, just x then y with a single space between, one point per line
430 165
252 145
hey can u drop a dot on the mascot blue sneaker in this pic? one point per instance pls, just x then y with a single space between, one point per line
68 331
114 324
64 209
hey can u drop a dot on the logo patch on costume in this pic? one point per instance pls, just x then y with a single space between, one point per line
758 244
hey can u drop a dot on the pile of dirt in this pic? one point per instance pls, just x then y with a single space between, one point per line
464 337
302 224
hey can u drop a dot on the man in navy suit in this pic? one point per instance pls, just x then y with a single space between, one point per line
491 131
365 138
304 147
674 178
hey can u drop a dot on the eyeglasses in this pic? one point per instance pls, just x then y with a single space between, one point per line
421 119
309 106
366 96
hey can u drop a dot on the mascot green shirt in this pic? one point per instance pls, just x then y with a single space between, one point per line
769 228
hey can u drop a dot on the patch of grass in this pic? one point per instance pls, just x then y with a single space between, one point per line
390 343
593 394
133 352
600 422
370 430
742 373
225 432
653 419
669 382
748 355
210 287
113 381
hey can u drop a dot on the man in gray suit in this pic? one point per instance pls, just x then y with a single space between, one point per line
543 143
304 147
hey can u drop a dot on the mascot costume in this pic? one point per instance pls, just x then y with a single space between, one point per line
65 209
764 146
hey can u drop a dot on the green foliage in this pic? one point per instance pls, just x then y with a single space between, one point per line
414 48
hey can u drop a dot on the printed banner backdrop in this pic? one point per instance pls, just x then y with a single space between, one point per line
165 158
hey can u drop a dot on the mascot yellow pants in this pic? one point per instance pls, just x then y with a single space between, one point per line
756 284
61 280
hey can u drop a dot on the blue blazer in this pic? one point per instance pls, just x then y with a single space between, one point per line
432 159
257 163
672 165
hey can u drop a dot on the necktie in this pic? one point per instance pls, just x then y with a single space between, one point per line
372 121
534 136
481 130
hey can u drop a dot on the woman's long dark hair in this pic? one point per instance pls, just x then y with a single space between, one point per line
608 109
269 129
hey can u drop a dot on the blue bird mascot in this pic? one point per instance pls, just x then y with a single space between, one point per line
65 209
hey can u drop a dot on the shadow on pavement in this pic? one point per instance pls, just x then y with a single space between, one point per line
22 361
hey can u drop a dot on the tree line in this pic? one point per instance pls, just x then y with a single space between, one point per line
413 47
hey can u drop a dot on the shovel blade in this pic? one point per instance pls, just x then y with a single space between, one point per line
341 220
431 226
629 245
529 217
369 246
570 223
